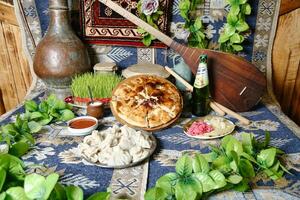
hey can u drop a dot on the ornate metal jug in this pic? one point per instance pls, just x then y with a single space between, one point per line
60 54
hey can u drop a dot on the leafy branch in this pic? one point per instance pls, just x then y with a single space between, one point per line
231 39
151 16
193 24
15 184
17 136
230 166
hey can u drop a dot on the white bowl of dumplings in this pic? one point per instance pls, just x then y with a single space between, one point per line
117 147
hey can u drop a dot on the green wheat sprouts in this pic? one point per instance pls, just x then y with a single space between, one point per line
101 85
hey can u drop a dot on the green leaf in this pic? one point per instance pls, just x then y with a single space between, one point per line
267 139
100 196
58 193
2 177
218 178
247 143
266 157
223 38
236 38
8 128
50 183
207 182
242 26
232 19
43 107
195 184
27 137
222 163
66 115
147 40
16 193
2 196
246 9
51 100
215 149
34 126
273 171
234 179
35 115
184 6
184 191
184 166
167 182
198 24
18 122
237 47
31 106
18 149
230 143
246 168
210 156
34 186
45 121
13 166
235 9
155 194
243 186
59 104
140 30
74 193
200 164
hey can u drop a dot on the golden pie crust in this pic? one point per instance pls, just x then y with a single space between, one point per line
146 101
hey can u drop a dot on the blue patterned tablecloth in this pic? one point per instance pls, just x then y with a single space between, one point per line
56 152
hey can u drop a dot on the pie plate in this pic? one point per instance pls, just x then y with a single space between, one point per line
216 133
151 150
128 118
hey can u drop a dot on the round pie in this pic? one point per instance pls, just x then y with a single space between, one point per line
146 101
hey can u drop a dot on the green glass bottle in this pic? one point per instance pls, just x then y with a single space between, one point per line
201 94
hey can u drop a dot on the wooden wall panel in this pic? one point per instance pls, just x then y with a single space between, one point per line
286 59
15 76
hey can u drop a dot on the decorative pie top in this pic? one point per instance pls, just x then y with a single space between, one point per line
146 101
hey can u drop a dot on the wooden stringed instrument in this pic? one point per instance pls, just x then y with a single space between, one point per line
234 82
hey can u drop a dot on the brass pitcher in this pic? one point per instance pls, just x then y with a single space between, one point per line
60 54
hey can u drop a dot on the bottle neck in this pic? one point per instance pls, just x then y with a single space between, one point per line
59 20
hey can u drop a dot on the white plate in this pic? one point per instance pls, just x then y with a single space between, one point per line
82 131
216 133
152 149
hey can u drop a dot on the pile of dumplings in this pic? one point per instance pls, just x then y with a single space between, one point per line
116 146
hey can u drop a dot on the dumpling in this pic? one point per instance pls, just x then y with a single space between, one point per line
104 155
119 157
142 140
107 141
138 153
89 152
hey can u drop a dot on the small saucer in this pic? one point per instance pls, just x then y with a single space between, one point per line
85 125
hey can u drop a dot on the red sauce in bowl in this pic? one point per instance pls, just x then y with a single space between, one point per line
82 123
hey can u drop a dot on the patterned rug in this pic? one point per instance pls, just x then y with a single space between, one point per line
101 25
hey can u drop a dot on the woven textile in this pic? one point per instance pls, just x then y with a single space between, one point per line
58 153
101 25
55 152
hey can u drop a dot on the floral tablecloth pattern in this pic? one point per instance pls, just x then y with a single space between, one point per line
55 151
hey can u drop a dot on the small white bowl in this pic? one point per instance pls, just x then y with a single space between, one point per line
82 131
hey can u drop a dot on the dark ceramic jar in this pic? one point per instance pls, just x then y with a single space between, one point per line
95 109
60 54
